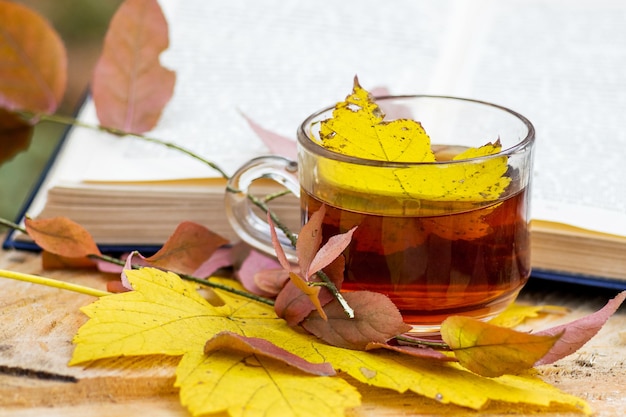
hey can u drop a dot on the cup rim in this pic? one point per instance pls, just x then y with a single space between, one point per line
307 142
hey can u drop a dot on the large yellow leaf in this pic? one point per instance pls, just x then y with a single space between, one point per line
165 315
357 128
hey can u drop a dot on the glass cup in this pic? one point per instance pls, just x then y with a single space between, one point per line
428 235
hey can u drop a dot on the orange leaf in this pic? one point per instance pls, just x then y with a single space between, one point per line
15 135
187 248
130 87
312 292
61 236
490 350
52 261
33 61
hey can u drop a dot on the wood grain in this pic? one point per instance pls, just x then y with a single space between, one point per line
37 325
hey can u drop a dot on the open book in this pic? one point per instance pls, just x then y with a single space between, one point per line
558 62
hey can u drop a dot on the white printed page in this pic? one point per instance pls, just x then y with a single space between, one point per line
275 61
561 64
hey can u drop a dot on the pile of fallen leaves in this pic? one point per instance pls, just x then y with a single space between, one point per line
243 353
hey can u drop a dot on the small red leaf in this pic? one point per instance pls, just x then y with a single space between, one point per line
578 332
257 346
330 251
61 236
309 241
187 248
376 319
130 87
33 62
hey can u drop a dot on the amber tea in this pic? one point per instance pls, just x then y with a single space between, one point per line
463 263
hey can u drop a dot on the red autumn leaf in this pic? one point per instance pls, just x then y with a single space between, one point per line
277 144
293 305
376 319
130 87
578 332
415 351
258 346
187 248
309 241
492 351
15 135
261 274
61 236
330 251
33 61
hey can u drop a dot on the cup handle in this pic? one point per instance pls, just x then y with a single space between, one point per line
250 227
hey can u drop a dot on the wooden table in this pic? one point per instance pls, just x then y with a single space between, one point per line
37 325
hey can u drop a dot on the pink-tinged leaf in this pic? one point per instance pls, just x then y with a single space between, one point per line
61 236
130 87
280 252
261 274
331 251
418 352
579 332
221 258
190 245
15 134
293 305
258 346
133 259
376 319
309 241
33 62
269 281
277 144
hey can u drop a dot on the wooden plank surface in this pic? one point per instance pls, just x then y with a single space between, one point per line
37 325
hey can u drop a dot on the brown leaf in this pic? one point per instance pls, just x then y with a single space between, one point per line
61 236
578 332
376 319
51 261
258 346
490 350
15 135
33 61
130 87
187 248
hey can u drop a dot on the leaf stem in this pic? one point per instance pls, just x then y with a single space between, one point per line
49 282
12 225
422 342
72 121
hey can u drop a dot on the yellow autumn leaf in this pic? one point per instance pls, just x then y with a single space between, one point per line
166 315
492 350
357 128
516 314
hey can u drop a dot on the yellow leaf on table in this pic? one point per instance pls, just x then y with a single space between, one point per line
492 350
516 314
165 315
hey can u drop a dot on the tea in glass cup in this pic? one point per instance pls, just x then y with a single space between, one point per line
444 236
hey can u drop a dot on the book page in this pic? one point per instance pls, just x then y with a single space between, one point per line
561 64
276 62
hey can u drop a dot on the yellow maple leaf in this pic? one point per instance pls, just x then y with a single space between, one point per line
516 314
166 315
357 128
